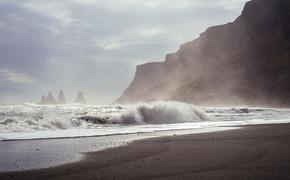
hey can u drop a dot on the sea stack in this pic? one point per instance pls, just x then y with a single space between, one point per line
61 97
43 99
80 98
49 99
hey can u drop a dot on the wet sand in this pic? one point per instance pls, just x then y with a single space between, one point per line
22 155
253 152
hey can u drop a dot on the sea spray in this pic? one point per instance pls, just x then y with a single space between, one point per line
30 117
30 121
159 113
35 121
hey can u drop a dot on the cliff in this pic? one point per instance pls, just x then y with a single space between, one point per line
243 62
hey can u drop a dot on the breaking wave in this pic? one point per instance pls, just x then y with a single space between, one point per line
29 117
31 121
159 113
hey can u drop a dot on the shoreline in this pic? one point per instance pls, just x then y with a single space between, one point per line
33 154
252 152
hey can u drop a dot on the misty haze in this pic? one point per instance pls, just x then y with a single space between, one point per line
152 89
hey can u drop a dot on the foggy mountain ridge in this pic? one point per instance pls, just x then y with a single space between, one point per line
244 62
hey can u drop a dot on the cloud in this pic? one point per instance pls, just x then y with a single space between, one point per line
53 9
94 45
15 77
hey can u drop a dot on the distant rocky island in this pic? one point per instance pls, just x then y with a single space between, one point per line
244 62
80 98
50 100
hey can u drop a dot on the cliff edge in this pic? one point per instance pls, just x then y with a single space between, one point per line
244 62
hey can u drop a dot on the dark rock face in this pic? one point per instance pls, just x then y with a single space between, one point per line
80 98
244 62
94 120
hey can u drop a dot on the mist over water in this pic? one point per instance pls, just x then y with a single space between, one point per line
159 113
30 117
30 121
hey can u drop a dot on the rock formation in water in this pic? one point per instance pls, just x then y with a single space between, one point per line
48 100
243 62
61 97
43 99
80 98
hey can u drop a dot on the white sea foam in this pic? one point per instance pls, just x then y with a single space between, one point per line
159 113
33 117
29 121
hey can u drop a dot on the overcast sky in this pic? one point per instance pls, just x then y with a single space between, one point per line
94 45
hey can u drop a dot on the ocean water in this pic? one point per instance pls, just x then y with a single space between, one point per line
34 136
31 121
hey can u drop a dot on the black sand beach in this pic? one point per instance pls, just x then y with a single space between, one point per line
253 152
